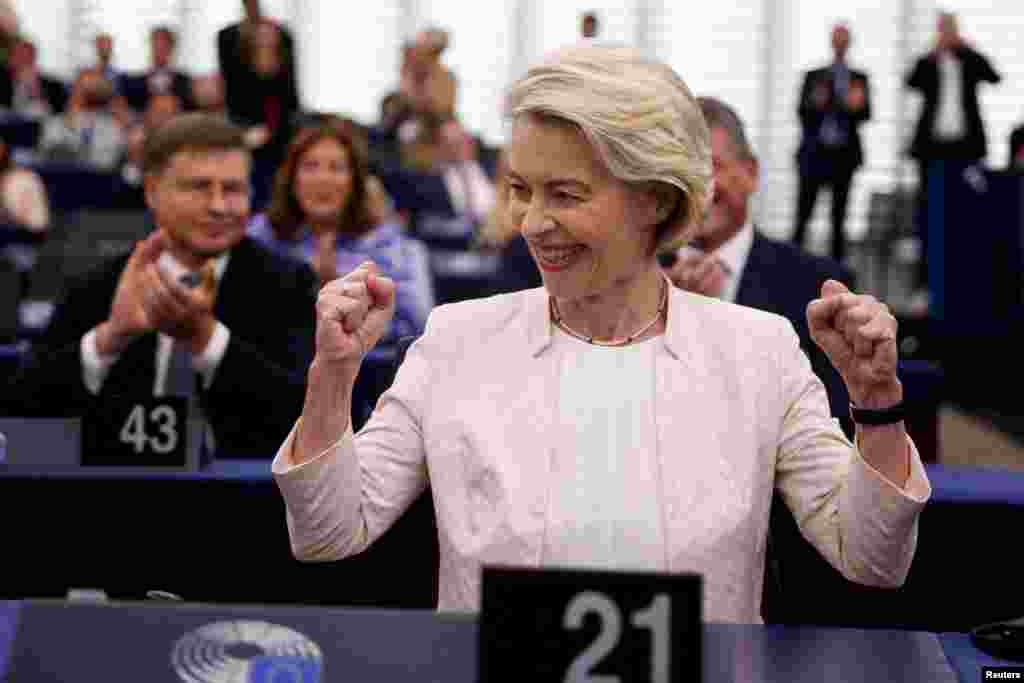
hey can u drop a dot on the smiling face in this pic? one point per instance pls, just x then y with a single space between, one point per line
201 201
589 232
735 181
323 181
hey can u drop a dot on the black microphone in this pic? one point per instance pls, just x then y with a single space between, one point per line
1002 639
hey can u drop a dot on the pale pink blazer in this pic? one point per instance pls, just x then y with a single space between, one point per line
738 412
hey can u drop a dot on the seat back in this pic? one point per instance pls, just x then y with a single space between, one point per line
10 294
96 236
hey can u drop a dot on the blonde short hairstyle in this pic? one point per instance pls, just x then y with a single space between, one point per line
637 113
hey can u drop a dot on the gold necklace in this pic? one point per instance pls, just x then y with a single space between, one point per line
662 307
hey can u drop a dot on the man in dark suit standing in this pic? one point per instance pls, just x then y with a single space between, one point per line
26 90
233 44
162 78
950 128
240 334
834 102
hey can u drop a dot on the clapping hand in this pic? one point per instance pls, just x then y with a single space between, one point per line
700 273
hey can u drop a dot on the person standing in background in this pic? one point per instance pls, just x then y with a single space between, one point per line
104 44
257 63
24 89
834 102
950 127
161 78
87 132
589 25
233 59
8 28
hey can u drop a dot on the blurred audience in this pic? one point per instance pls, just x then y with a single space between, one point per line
950 128
1016 162
8 28
834 102
327 211
104 46
24 90
87 132
426 82
160 109
24 215
470 189
379 203
161 78
446 204
385 145
589 25
243 334
257 63
23 202
208 94
261 90
429 92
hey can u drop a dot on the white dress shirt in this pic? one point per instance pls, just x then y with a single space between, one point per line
949 117
96 366
732 256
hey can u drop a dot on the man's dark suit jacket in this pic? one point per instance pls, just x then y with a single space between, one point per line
135 89
55 92
813 157
925 78
257 392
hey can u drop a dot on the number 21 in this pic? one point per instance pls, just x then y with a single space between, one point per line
655 618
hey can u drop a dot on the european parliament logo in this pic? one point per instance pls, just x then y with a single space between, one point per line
246 652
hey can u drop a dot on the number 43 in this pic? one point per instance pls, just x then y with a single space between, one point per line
656 618
134 430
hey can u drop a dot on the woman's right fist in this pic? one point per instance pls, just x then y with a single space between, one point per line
353 312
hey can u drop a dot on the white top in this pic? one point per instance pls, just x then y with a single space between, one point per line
605 493
732 255
949 118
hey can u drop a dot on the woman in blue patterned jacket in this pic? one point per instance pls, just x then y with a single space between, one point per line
325 210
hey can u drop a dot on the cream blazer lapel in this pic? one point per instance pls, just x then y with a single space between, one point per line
711 417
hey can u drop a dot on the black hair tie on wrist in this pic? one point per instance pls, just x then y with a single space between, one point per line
886 416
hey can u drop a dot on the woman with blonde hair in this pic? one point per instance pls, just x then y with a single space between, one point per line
607 419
